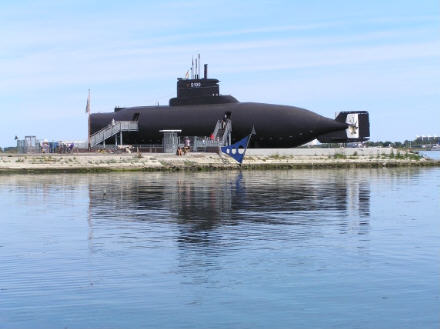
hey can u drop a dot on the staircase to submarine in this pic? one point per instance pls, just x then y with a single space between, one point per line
221 135
113 129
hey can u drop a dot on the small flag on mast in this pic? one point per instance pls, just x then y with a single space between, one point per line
88 104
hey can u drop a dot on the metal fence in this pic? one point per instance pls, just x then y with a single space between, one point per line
30 144
204 144
33 145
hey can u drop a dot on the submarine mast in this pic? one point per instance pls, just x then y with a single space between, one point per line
197 90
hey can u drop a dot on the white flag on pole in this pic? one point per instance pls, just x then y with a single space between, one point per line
88 104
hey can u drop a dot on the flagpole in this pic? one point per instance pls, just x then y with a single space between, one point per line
88 132
249 139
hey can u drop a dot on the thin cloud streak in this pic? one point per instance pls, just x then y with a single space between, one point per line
120 67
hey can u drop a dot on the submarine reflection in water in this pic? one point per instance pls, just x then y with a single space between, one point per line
197 203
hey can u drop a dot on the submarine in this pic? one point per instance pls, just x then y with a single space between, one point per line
198 106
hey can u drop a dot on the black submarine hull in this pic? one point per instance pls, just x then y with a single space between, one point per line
275 125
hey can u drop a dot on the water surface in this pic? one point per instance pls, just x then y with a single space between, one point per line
318 249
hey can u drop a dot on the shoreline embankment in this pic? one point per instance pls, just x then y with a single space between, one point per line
256 159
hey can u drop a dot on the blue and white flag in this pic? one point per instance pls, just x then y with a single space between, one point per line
238 149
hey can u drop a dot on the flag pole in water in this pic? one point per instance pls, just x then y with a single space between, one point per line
237 150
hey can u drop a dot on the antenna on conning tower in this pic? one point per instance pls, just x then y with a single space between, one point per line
195 68
198 68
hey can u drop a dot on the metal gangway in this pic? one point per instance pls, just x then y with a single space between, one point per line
113 129
221 137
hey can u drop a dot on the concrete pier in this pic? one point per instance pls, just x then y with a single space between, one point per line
322 152
255 159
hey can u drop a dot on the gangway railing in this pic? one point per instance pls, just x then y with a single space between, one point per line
222 131
113 129
221 134
227 130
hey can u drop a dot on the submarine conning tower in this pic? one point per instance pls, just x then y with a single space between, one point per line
198 91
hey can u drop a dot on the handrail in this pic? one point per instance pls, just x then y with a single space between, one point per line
228 129
111 130
216 129
204 142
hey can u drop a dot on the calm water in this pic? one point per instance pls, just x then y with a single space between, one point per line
270 249
431 154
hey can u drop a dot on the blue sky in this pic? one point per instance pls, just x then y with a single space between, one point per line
326 56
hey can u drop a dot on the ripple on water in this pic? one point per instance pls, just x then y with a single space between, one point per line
299 248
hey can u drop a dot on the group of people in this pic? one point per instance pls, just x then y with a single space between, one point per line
182 150
185 149
57 147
